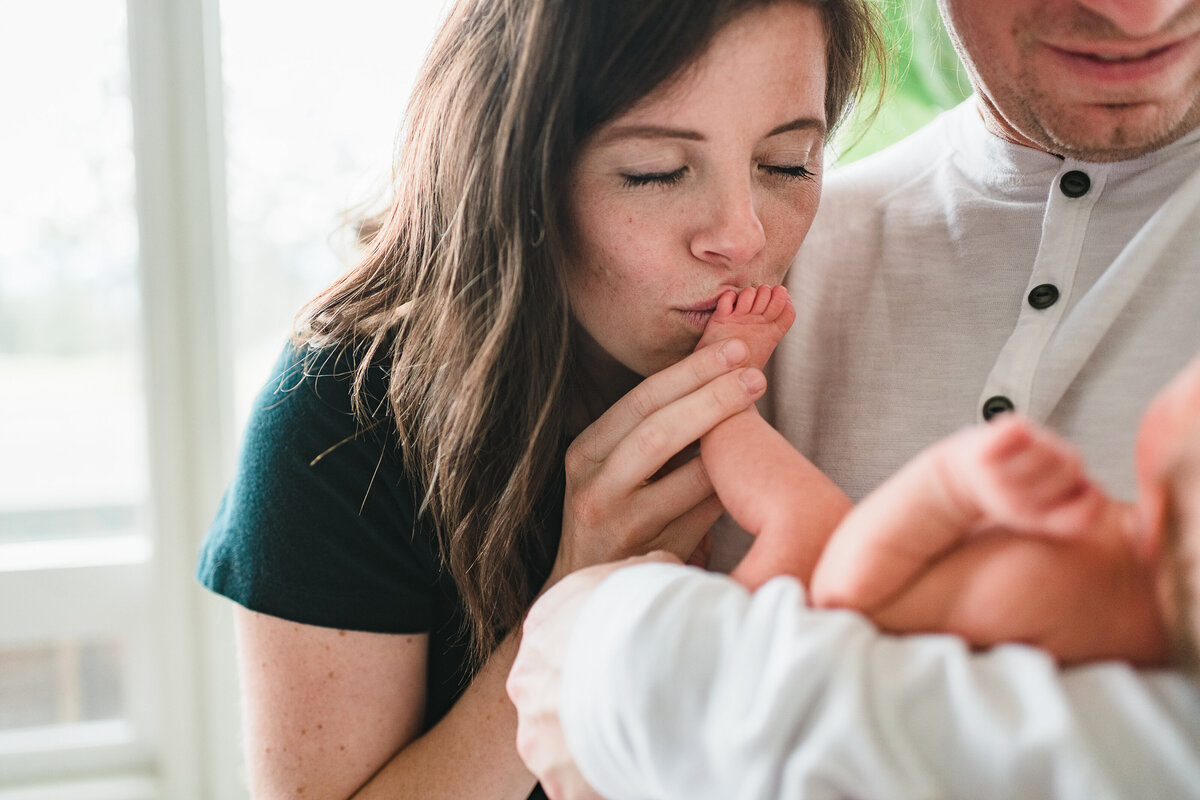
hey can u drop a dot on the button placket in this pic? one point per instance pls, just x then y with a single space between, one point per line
1070 200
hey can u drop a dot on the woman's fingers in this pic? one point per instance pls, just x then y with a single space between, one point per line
683 535
653 441
620 500
655 393
669 498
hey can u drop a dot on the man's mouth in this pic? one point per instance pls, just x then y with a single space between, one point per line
1115 58
1121 66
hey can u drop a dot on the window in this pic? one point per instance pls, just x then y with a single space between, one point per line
172 194
311 135
75 489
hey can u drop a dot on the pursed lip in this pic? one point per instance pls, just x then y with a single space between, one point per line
696 316
709 305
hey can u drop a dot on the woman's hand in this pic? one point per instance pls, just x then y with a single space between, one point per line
534 685
617 504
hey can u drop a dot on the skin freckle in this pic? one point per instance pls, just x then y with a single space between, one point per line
341 633
341 747
304 731
320 727
331 673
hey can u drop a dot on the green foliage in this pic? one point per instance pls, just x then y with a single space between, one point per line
924 77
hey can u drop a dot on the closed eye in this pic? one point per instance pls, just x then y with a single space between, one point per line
798 172
654 178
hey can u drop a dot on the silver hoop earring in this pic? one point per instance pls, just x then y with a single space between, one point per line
540 235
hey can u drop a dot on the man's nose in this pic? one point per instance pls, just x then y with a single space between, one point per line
1138 18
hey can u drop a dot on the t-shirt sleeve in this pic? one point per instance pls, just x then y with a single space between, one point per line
318 524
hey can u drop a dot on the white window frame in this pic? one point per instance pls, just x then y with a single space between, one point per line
182 738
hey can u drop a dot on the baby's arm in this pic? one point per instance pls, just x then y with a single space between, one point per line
997 535
765 484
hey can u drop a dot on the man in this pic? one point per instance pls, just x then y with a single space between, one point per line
1033 249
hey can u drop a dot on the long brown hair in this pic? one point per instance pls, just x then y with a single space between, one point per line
462 290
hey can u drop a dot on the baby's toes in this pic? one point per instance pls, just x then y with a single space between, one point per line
725 306
779 307
745 301
762 298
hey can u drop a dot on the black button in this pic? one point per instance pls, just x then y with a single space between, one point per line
1043 296
997 405
1075 183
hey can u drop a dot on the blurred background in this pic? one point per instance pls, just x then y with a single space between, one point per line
175 179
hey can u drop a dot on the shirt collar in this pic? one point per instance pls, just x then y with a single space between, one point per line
1000 166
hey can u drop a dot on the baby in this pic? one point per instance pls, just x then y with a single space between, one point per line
994 533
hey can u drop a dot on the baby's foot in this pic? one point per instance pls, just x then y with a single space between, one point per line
1023 478
758 316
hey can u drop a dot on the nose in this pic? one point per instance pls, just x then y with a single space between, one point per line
732 234
1137 17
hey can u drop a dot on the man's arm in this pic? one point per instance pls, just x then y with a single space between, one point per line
678 683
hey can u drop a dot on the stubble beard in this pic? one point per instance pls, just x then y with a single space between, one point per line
1070 133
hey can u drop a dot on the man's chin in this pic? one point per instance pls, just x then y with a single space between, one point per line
1117 132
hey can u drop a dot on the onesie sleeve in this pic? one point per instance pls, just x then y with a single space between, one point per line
680 684
318 524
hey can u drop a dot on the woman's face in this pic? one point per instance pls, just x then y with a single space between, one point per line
709 183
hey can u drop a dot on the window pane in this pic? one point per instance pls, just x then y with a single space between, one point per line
70 388
62 683
314 98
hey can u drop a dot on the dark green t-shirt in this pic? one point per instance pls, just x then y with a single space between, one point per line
319 524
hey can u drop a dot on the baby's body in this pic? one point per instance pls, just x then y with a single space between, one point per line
995 533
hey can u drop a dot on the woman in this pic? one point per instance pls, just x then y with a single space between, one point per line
578 184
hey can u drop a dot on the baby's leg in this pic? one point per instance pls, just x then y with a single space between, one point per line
765 484
1008 474
774 493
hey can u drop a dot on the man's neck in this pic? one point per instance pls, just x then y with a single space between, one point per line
998 126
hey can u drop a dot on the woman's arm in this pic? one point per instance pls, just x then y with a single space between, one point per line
324 708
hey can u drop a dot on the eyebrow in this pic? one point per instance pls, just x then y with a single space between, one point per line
800 124
665 132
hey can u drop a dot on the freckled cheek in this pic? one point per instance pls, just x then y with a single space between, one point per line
635 251
785 227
